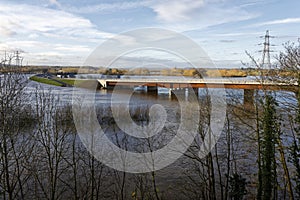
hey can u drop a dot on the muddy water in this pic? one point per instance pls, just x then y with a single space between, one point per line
170 179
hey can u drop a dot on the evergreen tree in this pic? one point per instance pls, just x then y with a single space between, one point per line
270 131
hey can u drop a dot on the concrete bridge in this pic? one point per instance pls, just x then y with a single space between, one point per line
180 84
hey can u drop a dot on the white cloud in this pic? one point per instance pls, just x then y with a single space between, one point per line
71 37
7 27
38 46
179 15
54 2
27 19
280 21
108 7
176 10
23 45
52 58
236 34
33 36
186 15
72 48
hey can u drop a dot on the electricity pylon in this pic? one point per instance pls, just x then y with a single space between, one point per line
266 61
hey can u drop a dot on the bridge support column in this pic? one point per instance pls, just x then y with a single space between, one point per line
193 94
180 91
195 90
110 87
152 89
248 98
171 94
179 94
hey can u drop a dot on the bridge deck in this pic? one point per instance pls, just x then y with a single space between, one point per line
200 83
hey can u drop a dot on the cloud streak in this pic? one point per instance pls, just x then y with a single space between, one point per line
278 22
107 7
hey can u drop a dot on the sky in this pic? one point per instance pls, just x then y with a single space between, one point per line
66 32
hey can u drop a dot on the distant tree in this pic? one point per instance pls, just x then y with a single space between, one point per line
44 71
290 57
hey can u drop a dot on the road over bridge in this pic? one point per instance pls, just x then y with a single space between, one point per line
233 83
175 84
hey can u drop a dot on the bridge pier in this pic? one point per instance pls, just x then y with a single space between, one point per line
152 89
248 98
179 93
109 87
171 94
195 90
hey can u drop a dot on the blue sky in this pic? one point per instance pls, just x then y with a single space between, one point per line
65 32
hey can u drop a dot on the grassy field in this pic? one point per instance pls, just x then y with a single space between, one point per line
45 81
68 82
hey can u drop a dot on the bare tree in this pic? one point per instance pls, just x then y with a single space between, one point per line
289 62
50 137
14 148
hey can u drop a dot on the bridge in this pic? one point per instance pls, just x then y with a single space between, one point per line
180 84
